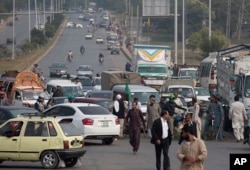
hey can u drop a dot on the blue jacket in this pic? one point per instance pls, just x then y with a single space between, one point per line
218 113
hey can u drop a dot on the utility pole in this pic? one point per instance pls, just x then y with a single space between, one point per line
228 31
138 24
29 22
175 31
183 32
209 22
13 30
44 18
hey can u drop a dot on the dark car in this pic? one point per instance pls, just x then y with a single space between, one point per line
115 49
9 112
106 103
58 69
10 41
103 24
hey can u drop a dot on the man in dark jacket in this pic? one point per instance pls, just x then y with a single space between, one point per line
161 138
58 92
119 110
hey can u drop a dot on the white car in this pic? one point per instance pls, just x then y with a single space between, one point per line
93 121
202 94
99 40
79 25
88 36
85 70
70 25
80 17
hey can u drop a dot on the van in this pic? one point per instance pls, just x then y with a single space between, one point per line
186 91
139 91
67 86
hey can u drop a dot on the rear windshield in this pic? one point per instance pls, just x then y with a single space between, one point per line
102 95
69 129
94 110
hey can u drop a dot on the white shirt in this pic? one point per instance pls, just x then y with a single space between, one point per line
116 105
164 128
79 84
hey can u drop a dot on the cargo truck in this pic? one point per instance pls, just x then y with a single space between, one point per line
152 62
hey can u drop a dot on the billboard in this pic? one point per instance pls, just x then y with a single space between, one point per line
155 8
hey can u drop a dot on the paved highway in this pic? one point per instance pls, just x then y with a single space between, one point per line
72 39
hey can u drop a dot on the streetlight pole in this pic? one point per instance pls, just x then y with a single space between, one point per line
183 32
29 21
175 31
44 19
13 31
209 23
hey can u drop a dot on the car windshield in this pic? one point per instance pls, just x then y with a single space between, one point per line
149 69
143 97
246 87
193 74
72 90
86 82
84 68
33 95
201 92
94 110
58 65
184 91
107 95
69 129
16 112
184 103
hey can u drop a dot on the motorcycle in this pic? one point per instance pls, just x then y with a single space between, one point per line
101 60
82 50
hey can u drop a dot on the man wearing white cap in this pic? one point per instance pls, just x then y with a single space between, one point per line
118 110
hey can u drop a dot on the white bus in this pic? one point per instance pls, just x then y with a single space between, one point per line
208 73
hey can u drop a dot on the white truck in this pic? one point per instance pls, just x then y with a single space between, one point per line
233 74
152 62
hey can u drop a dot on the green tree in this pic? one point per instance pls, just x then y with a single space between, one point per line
200 40
37 37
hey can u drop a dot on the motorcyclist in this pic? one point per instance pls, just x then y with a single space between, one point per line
70 55
82 49
101 57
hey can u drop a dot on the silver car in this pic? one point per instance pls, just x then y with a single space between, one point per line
85 70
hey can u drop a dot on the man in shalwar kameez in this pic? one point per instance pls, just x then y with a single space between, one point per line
133 119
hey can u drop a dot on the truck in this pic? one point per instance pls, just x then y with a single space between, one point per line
112 78
233 74
26 89
152 62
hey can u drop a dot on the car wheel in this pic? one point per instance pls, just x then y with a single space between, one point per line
107 141
49 160
70 162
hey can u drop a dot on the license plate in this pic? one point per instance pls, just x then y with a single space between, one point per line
105 124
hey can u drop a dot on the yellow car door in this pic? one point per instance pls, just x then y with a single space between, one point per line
10 140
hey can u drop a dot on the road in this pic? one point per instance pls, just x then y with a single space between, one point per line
72 39
119 156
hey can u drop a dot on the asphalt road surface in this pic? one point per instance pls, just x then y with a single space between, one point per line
72 39
119 156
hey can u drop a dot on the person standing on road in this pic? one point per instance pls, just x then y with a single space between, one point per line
237 114
192 151
153 112
188 122
119 111
210 113
162 103
196 118
218 118
78 82
161 138
133 119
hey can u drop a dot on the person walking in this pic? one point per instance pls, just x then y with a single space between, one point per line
218 118
134 119
192 151
119 111
162 102
161 138
237 114
195 116
153 112
188 122
210 113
